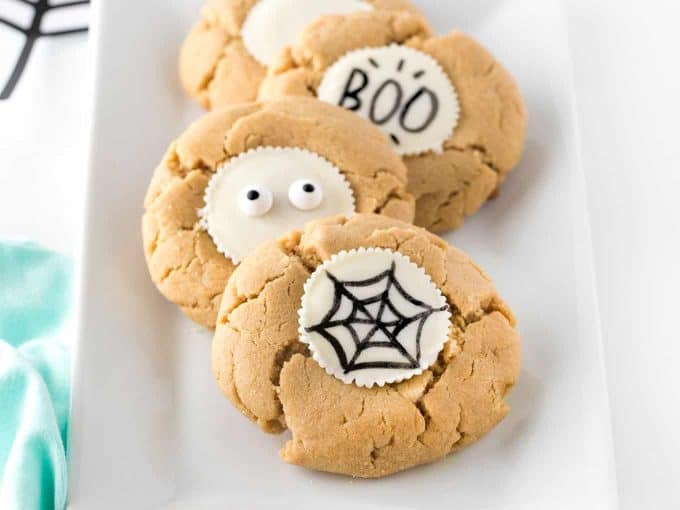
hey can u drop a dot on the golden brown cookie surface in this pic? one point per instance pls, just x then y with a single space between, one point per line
183 259
486 140
269 375
215 66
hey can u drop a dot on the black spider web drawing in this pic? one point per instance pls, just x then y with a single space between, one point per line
361 314
32 34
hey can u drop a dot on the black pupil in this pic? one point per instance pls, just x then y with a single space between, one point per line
308 187
253 194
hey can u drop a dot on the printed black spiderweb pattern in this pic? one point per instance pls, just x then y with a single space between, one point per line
34 32
391 328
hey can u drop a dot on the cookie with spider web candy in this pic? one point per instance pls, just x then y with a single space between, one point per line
263 366
372 317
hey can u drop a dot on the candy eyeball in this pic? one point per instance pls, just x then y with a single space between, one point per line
305 194
254 200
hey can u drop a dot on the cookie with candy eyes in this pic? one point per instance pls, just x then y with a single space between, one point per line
225 56
383 347
249 173
263 192
447 105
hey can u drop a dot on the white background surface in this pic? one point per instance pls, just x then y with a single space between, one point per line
627 86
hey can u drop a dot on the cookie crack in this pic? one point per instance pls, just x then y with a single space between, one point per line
363 408
235 392
375 174
153 244
472 148
195 305
208 79
283 356
461 434
425 415
169 272
393 195
243 299
446 203
377 451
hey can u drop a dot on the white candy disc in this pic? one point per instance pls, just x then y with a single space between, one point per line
403 91
247 201
305 194
371 317
271 25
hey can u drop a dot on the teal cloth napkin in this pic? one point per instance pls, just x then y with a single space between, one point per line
35 296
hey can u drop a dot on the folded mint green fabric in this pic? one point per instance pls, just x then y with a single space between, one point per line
35 291
35 296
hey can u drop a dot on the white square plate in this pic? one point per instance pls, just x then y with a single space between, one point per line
150 428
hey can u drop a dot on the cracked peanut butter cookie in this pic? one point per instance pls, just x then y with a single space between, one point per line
225 56
248 173
378 345
448 106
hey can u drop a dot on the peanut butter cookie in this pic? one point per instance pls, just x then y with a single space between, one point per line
378 345
448 106
248 173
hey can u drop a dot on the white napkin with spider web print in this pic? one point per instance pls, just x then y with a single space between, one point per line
44 116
